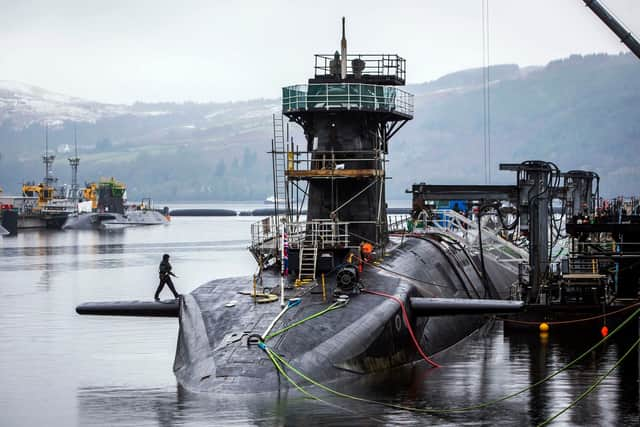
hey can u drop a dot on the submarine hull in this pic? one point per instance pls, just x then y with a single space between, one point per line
107 220
215 353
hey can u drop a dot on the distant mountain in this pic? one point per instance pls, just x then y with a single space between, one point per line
22 105
580 112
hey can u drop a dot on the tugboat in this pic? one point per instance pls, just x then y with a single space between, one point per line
341 293
48 207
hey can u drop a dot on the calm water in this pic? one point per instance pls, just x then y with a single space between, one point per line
58 368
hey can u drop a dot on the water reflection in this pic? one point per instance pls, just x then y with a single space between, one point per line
486 367
58 368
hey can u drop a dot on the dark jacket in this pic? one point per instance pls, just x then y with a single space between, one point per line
165 269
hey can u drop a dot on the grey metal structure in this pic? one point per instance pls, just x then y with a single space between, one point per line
535 182
348 127
74 162
615 25
47 159
579 192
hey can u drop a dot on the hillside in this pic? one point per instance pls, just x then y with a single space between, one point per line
580 112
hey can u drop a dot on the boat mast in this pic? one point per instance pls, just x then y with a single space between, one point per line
48 159
74 162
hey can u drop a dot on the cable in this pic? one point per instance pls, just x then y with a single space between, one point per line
334 306
407 324
273 355
592 386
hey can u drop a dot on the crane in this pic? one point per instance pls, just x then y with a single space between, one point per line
616 26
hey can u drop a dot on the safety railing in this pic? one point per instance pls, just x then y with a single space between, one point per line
264 235
59 206
396 223
323 234
465 230
324 160
347 96
383 65
24 204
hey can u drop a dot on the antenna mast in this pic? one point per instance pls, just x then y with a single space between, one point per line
343 53
74 162
47 159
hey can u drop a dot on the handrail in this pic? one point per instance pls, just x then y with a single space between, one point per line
377 64
323 234
349 96
468 229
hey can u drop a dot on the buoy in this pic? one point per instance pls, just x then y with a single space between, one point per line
544 327
604 331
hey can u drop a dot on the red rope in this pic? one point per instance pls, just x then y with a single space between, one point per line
406 322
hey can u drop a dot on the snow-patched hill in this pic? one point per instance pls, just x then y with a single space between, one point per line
22 105
581 112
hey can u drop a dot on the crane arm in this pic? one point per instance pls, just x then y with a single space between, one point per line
610 21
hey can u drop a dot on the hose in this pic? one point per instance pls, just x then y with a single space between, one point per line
405 317
334 306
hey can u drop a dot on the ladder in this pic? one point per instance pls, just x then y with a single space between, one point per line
279 153
308 259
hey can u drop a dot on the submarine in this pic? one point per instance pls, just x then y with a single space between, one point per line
342 291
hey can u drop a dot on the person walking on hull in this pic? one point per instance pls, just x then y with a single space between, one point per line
165 278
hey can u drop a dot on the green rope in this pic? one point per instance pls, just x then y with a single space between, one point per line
592 386
334 306
282 372
462 409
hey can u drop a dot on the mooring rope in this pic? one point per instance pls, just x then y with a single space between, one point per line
405 318
593 386
274 356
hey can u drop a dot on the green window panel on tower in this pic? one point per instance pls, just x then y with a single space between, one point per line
351 96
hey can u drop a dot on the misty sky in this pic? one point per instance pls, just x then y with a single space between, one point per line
160 50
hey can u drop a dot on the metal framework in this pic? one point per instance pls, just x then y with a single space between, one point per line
389 67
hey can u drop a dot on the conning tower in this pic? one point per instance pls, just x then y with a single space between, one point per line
349 110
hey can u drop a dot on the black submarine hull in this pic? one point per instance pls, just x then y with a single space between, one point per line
214 349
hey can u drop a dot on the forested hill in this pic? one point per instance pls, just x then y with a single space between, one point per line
579 112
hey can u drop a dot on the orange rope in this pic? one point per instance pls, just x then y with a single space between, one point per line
406 322
564 322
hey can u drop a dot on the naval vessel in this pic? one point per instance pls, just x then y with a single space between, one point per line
342 291
106 209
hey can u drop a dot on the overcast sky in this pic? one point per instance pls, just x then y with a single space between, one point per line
169 50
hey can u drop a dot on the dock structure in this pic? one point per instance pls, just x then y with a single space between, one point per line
582 252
